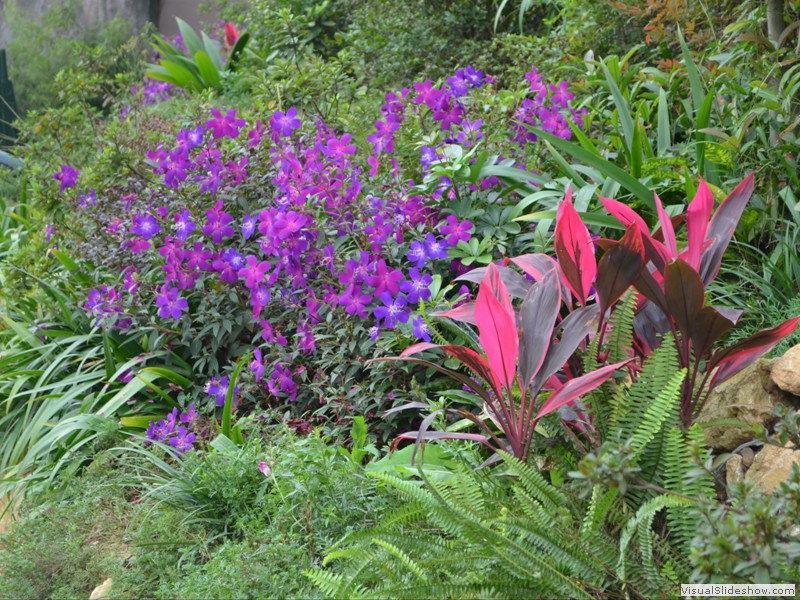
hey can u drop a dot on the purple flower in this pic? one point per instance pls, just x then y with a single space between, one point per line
183 224
421 329
257 364
338 148
188 139
456 231
417 254
217 389
434 248
172 305
264 468
417 287
158 432
393 310
281 382
283 124
48 232
191 416
67 176
249 227
145 225
227 126
183 440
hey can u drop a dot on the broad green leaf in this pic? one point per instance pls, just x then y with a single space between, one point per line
207 70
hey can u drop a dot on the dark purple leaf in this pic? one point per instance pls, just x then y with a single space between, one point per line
537 318
516 284
733 359
685 295
619 268
722 227
574 329
707 327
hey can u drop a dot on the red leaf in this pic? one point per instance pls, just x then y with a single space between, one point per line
697 216
577 387
620 268
733 359
574 249
667 230
624 214
537 319
497 328
722 226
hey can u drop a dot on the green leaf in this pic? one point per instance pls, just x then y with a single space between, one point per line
588 218
190 37
664 135
207 69
211 50
237 50
608 169
227 410
623 110
691 70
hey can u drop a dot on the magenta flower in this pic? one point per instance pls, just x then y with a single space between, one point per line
227 126
254 272
264 468
384 280
355 302
456 231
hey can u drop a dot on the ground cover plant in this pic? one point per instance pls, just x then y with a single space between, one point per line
282 319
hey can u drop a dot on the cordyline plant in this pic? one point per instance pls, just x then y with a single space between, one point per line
672 286
526 349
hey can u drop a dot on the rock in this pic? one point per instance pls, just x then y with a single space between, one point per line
102 590
771 467
750 397
786 371
734 470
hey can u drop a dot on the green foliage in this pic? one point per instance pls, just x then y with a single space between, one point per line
203 67
66 549
41 47
272 568
753 540
483 536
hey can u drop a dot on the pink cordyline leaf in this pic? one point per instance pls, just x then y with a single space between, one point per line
624 214
574 249
697 217
733 359
536 265
467 356
575 388
497 328
464 312
667 230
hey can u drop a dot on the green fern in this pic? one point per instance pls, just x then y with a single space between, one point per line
501 536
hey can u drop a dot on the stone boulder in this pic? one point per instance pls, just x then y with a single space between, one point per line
771 467
749 397
786 371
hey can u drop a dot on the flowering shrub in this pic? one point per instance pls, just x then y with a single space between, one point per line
255 233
